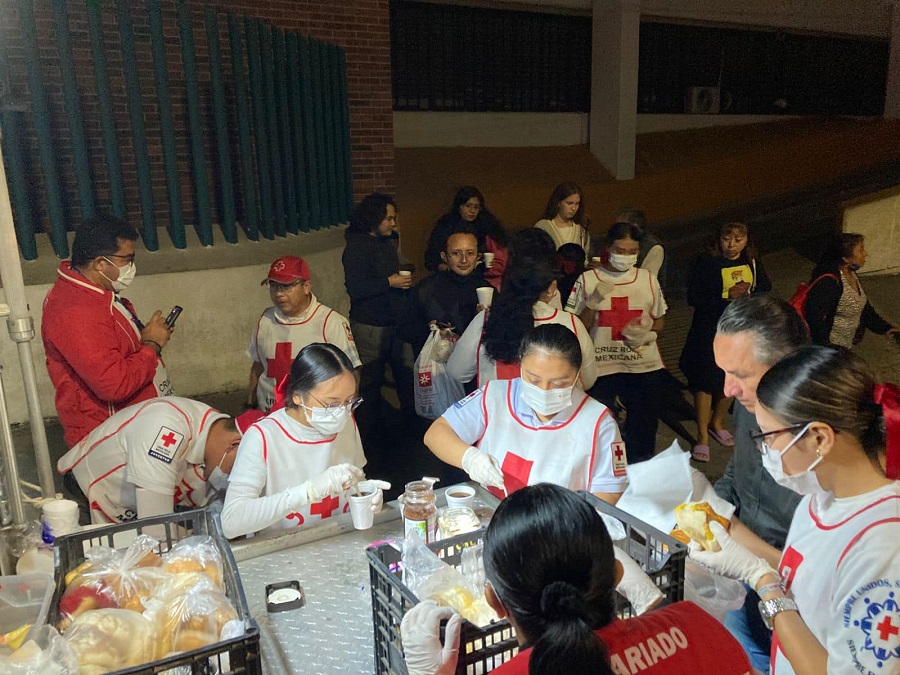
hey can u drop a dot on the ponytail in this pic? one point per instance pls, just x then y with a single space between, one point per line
568 645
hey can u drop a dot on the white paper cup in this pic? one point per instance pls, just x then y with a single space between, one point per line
488 259
361 512
405 273
460 495
485 295
60 517
597 260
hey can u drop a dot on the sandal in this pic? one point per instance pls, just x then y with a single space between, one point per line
700 453
723 437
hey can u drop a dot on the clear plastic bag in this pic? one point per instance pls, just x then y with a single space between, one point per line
111 578
46 653
429 577
196 554
715 594
190 612
435 391
110 639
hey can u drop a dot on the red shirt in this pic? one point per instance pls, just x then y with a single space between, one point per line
94 356
679 639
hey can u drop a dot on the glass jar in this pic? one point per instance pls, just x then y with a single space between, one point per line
420 510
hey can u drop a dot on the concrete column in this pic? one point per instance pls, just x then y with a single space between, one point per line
892 98
614 80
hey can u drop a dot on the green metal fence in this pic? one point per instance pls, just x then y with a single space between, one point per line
272 156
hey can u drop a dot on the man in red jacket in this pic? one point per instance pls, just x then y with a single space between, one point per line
100 357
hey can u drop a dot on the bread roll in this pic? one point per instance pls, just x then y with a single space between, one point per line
694 518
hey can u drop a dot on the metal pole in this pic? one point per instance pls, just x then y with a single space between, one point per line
21 330
9 469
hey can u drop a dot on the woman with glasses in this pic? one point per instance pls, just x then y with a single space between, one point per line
829 433
294 467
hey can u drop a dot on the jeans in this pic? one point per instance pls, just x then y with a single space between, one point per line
747 627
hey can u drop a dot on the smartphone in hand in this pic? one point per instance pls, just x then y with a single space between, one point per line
173 316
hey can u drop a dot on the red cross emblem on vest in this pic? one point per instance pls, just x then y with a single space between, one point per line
169 439
325 507
617 316
280 366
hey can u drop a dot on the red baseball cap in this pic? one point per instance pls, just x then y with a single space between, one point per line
287 269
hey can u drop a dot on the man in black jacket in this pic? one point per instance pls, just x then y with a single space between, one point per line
379 300
449 296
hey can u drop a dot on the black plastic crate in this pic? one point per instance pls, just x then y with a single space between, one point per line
480 649
237 656
660 555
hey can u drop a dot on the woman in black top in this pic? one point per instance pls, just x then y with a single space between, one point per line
469 210
729 270
837 310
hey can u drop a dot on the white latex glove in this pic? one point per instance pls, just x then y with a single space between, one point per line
380 485
333 481
420 633
482 468
638 333
635 585
733 561
601 290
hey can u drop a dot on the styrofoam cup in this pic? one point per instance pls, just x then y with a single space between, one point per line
460 495
485 295
488 259
405 273
361 512
60 517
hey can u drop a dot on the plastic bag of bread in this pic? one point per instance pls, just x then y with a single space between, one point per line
46 653
112 578
111 639
191 614
196 554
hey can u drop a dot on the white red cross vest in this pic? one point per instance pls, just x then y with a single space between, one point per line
275 344
636 295
841 563
569 454
291 461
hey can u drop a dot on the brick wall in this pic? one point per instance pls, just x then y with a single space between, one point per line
360 27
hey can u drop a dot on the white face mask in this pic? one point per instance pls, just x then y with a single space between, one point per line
623 263
218 480
327 422
804 483
126 275
546 401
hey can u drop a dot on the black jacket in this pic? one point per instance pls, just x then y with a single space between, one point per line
447 298
821 306
368 262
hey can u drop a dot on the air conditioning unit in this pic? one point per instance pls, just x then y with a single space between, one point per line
702 100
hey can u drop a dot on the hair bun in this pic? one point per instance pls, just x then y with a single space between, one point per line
561 602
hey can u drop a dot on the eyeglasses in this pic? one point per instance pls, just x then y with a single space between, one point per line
276 287
463 255
759 437
129 258
335 408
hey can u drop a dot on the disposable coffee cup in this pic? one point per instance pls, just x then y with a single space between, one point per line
460 496
405 273
361 512
485 296
597 260
488 259
60 517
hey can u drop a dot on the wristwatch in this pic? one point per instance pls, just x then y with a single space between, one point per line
769 608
